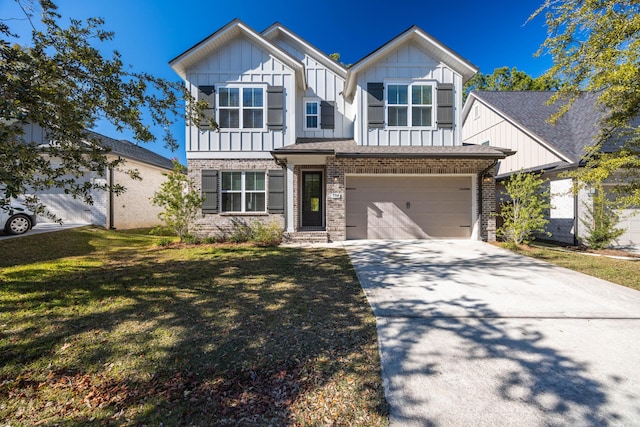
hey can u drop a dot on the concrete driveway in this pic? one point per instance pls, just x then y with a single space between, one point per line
42 227
473 335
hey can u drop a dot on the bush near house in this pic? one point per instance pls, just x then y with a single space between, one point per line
523 213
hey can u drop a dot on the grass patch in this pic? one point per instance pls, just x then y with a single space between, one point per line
107 328
622 272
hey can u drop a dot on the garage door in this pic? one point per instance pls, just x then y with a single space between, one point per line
408 207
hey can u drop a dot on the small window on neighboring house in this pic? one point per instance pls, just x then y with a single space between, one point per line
243 192
476 112
410 105
241 107
311 114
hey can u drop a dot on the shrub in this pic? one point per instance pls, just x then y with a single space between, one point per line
267 234
523 215
181 202
600 220
165 241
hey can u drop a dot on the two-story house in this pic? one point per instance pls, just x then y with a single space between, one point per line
370 152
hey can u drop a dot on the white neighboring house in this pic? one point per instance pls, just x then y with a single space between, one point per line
519 121
370 152
131 209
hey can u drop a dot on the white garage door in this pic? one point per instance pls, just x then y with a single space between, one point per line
408 207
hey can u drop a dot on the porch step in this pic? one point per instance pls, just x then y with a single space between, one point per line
306 237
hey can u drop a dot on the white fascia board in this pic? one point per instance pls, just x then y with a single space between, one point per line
441 52
234 29
523 129
316 54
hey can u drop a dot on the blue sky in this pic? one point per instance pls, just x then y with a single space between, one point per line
149 33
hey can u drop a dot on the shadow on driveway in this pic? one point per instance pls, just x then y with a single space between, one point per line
474 335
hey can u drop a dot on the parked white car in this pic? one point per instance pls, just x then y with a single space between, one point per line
17 218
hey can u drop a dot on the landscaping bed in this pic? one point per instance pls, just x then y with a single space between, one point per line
107 328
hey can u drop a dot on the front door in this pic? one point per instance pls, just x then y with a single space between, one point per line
312 199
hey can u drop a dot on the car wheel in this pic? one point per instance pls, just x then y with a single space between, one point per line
18 224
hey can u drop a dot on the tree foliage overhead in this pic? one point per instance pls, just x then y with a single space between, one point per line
61 81
505 78
595 46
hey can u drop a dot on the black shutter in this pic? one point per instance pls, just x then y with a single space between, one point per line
207 94
327 115
276 191
375 105
210 191
275 107
445 106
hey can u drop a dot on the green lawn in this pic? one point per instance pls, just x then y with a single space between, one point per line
622 272
106 328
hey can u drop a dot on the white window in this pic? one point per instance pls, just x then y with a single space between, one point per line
311 114
476 112
243 191
241 107
409 104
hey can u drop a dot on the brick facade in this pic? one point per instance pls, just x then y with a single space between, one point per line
211 225
334 174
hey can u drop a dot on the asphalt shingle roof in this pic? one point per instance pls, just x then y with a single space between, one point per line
348 147
574 131
130 150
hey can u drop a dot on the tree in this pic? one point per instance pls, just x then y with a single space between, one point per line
62 82
595 46
181 202
504 78
523 213
601 219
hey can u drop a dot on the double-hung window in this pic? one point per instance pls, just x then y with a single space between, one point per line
409 104
243 191
311 114
241 107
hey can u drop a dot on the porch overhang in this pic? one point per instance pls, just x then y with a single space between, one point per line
315 151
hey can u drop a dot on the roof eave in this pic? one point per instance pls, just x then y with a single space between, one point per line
524 129
426 155
317 53
182 62
460 65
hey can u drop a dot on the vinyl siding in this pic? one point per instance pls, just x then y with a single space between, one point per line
324 84
242 62
407 62
498 132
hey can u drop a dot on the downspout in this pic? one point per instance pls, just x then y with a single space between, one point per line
576 221
481 175
111 194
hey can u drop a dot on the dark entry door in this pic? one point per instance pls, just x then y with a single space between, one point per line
312 199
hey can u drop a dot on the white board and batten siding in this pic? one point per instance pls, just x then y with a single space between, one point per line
408 63
241 62
484 126
326 85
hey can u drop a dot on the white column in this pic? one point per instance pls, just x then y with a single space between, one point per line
289 213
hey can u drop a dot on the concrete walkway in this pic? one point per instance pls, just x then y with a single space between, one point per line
473 335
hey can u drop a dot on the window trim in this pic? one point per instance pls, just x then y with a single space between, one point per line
243 191
308 100
241 108
409 105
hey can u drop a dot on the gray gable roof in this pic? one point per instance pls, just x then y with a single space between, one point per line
130 150
570 135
